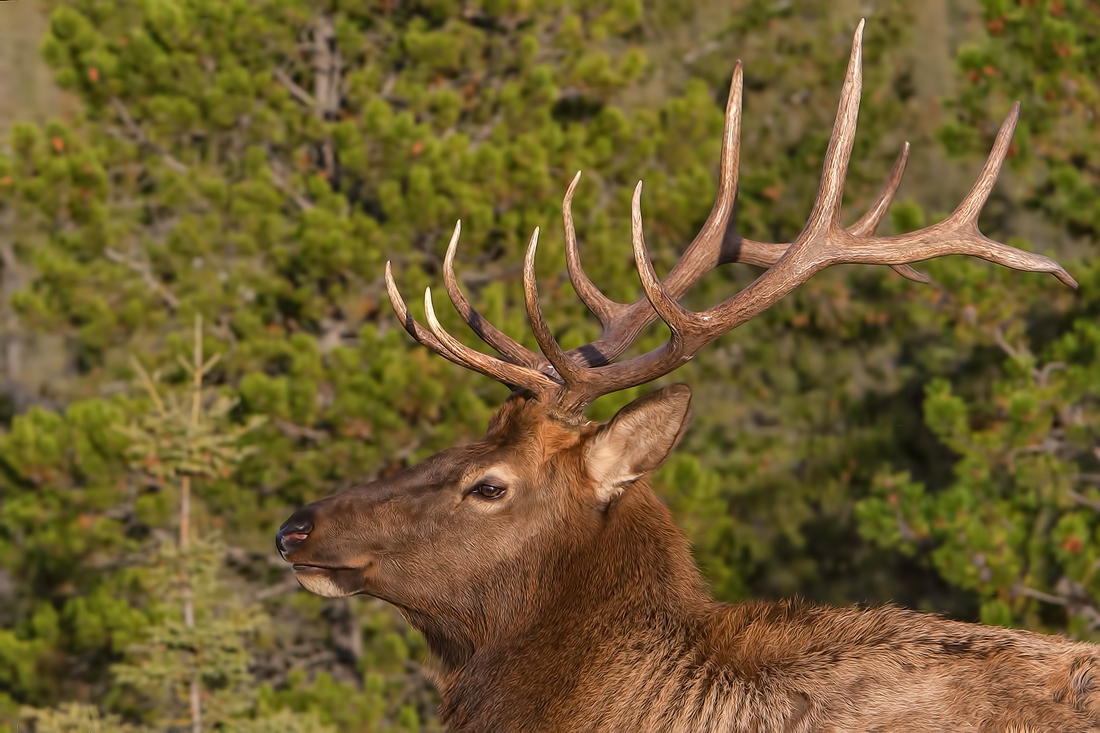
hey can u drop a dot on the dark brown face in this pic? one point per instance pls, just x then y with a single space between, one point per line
435 538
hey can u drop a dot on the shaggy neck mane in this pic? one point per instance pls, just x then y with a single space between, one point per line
640 561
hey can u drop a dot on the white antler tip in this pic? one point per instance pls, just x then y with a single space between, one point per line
532 245
429 311
567 202
452 248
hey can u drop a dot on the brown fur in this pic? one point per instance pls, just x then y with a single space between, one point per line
569 606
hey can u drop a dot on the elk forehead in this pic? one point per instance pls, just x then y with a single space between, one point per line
537 429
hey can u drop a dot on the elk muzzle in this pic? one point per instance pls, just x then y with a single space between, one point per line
294 532
300 542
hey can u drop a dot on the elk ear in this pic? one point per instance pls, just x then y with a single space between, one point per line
638 439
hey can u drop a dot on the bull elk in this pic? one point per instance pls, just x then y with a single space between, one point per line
553 588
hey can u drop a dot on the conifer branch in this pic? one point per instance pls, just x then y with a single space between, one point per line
1002 343
147 382
1041 596
1069 594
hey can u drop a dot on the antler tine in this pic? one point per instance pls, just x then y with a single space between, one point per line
605 309
569 370
680 321
825 215
490 334
868 223
409 323
974 201
678 318
513 375
720 221
764 254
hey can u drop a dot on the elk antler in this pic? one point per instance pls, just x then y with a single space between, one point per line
572 380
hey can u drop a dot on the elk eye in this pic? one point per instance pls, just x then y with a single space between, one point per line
488 491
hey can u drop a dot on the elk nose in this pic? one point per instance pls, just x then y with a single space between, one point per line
293 533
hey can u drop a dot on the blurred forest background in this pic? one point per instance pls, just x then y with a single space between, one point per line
196 201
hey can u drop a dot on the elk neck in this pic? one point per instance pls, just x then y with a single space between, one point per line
628 576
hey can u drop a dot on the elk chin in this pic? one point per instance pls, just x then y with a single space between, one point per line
330 582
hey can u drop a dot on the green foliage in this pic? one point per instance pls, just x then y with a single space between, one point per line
1047 55
76 717
255 164
1017 524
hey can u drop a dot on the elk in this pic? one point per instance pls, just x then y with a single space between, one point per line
552 586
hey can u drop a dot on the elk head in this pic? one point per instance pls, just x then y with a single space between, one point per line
465 542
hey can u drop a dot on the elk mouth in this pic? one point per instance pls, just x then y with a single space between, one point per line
300 567
312 567
331 582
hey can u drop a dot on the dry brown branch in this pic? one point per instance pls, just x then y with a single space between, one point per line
298 432
280 179
137 133
328 69
1085 501
286 586
296 91
147 275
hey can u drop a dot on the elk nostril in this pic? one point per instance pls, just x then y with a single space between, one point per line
292 534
